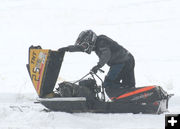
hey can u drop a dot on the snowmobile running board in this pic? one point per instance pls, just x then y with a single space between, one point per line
76 105
60 99
44 66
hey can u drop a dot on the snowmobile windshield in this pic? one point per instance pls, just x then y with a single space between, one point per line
44 66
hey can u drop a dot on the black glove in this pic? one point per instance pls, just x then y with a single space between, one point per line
63 49
95 69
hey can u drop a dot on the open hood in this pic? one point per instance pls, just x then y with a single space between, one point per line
44 66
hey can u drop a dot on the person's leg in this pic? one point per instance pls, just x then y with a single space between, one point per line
125 73
113 79
112 83
128 77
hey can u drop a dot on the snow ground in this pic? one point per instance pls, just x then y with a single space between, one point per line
149 29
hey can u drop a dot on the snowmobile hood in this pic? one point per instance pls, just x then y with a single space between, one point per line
44 66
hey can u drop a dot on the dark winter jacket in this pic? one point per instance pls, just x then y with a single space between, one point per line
108 51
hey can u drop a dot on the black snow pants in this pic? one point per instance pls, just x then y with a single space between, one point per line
120 76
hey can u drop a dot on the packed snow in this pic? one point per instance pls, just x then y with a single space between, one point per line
149 29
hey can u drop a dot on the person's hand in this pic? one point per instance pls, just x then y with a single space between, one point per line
95 69
63 49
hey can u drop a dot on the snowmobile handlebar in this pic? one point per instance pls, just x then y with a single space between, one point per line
102 98
102 71
92 74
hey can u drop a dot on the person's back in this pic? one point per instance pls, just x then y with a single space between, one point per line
118 53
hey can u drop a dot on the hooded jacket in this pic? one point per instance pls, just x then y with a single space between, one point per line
108 51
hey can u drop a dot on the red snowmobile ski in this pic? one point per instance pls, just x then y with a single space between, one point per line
86 96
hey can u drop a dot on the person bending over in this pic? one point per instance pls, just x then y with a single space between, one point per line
119 59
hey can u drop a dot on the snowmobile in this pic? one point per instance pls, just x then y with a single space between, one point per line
85 95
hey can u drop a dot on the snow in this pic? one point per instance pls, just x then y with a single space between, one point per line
149 29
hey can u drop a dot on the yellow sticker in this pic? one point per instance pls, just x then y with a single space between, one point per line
37 63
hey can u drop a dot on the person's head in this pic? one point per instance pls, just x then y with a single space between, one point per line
87 39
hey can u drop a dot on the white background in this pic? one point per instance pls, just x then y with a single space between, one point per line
149 29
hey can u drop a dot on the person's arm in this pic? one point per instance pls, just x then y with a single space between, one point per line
73 48
104 56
